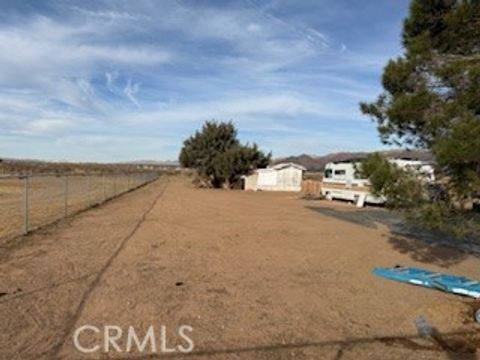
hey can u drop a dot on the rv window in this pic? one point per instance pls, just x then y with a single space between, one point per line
340 172
328 173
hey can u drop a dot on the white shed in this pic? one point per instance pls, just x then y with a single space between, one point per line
280 177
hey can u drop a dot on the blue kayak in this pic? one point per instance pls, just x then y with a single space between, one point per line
449 283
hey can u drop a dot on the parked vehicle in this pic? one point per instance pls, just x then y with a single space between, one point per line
341 180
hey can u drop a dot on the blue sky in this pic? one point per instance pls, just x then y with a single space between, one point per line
109 80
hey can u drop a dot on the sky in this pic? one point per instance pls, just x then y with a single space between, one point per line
118 80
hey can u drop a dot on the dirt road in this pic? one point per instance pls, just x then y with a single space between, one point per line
255 275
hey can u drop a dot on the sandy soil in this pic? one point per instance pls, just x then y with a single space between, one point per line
256 275
46 197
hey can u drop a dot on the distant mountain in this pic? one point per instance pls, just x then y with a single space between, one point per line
317 163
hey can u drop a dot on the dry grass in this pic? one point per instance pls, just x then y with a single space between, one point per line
47 201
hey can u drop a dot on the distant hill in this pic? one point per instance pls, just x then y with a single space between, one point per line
317 163
29 166
161 163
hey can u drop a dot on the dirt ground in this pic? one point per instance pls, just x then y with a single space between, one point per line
256 275
46 198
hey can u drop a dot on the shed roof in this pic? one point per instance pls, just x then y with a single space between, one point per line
287 165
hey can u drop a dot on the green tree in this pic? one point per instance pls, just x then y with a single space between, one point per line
401 188
219 157
431 100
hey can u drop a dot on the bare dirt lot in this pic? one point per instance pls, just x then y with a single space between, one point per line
256 275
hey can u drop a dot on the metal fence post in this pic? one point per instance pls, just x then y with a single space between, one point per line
89 190
25 205
104 188
66 195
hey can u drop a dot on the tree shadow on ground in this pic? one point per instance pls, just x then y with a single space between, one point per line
364 217
457 345
419 250
421 245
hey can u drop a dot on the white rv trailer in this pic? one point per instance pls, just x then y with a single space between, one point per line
340 180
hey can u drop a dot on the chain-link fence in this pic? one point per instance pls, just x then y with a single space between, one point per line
29 202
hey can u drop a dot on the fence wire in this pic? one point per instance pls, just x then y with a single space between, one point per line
30 202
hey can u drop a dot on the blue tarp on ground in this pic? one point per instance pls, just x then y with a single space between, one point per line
445 282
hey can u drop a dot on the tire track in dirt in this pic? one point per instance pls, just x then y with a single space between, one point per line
70 323
49 287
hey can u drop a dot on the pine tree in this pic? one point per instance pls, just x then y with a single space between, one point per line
431 100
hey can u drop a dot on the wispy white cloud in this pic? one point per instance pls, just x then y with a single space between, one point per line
44 125
240 108
109 76
45 47
111 15
130 90
42 51
26 112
